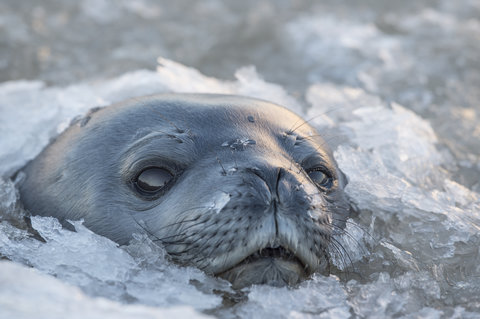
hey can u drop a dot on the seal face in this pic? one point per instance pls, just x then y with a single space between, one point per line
241 188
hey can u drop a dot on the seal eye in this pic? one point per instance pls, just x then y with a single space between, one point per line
321 177
153 179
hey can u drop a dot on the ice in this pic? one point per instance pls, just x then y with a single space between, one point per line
8 200
394 296
101 268
220 200
412 214
239 144
321 297
27 293
395 171
402 257
350 247
392 87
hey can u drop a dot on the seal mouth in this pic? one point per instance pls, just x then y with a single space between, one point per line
269 252
273 266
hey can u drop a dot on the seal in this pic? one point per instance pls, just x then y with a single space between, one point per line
241 188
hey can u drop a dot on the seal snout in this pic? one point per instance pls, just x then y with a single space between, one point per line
283 243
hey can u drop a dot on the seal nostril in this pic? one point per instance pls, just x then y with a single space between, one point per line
256 171
280 174
275 218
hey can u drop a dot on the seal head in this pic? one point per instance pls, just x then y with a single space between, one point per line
238 187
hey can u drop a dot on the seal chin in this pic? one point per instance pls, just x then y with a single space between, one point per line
272 266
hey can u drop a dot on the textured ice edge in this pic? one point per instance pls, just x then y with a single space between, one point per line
27 293
389 156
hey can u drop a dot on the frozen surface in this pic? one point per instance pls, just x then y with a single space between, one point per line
137 272
27 293
393 87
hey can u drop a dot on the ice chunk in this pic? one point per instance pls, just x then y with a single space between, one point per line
101 268
220 199
239 144
388 296
250 83
320 297
179 78
9 205
350 247
27 293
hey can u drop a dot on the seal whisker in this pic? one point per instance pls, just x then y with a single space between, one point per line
183 233
173 224
223 168
162 240
363 229
200 261
180 241
345 251
327 139
185 220
228 250
344 231
200 248
322 145
314 117
291 131
328 261
340 254
144 229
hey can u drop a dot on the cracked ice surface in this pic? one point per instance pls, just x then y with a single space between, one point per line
399 109
415 224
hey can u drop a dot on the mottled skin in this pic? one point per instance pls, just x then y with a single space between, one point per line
243 202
